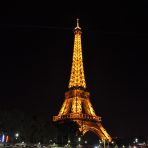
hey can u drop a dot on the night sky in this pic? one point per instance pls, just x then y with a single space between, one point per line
36 45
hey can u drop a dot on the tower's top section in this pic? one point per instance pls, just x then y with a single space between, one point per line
77 27
77 77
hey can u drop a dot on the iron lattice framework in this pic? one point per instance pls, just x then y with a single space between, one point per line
77 105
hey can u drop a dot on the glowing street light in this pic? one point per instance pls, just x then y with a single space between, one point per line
69 141
79 139
16 135
100 142
136 140
112 142
79 142
85 142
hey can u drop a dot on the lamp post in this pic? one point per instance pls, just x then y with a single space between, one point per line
79 141
16 135
68 142
85 141
113 143
108 143
104 143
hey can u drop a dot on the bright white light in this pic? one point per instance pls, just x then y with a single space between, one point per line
79 139
112 142
16 135
136 140
85 142
3 138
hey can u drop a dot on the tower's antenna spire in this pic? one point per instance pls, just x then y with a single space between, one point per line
78 22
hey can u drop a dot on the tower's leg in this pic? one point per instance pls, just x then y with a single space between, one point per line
96 128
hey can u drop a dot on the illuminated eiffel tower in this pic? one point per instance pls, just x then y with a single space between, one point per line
77 106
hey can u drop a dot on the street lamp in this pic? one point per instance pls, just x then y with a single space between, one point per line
104 143
79 139
16 135
136 140
100 142
68 142
113 143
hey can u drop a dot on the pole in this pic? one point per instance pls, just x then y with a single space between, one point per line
104 143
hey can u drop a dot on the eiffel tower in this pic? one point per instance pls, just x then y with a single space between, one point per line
77 106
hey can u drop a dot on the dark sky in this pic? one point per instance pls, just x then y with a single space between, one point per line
36 44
